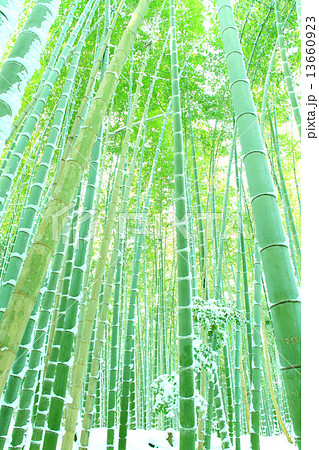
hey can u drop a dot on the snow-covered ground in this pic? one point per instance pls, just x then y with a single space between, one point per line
141 440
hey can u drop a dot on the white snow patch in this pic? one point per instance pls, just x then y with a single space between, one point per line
140 440
136 439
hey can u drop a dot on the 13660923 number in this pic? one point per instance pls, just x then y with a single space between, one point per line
310 49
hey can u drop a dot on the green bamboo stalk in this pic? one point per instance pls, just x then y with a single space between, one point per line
9 13
92 381
22 61
255 407
283 294
246 297
271 389
237 390
268 76
98 61
185 339
209 416
288 77
219 409
298 9
255 46
112 391
229 389
16 126
284 192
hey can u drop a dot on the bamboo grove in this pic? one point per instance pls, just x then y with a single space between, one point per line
150 221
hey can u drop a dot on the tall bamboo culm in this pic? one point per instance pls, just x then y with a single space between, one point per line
283 292
185 325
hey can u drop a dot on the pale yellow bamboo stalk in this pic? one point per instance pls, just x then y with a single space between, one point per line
52 327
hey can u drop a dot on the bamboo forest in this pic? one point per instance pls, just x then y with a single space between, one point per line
150 224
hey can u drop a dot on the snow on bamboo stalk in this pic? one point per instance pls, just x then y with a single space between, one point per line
283 293
31 376
10 171
17 373
185 324
9 13
40 253
237 390
22 61
289 82
112 390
